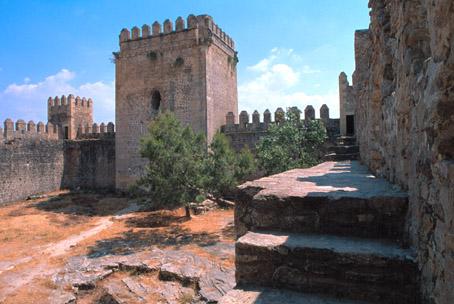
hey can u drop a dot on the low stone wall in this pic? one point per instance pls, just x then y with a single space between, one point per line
29 166
90 163
404 87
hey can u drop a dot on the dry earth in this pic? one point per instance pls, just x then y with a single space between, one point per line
94 248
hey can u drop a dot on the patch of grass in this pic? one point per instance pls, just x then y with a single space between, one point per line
186 298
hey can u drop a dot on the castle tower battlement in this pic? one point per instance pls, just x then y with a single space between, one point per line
68 112
187 67
197 28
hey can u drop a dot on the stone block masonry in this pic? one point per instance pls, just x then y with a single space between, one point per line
34 159
31 160
403 85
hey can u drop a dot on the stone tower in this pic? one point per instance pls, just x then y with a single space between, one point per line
347 104
189 70
68 113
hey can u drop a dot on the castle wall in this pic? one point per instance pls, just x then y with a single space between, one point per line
404 83
247 133
181 64
35 160
90 163
31 161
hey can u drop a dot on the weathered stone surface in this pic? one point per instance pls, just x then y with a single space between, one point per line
271 296
338 198
363 269
181 274
405 121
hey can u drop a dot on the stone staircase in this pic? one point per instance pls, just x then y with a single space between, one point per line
345 148
329 234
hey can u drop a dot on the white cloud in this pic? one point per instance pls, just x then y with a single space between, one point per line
30 98
279 81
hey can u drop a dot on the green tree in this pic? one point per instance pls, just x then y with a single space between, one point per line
181 170
174 174
290 144
224 168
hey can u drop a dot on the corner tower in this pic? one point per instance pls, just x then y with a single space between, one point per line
189 69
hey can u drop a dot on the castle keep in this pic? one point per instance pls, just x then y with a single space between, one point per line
188 69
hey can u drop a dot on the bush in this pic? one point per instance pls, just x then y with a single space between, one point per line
290 144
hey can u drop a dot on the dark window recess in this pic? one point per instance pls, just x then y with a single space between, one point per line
66 133
155 101
350 124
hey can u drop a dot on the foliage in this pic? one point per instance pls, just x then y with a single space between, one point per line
176 155
290 144
224 168
180 168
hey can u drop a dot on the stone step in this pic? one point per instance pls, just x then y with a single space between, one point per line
360 269
347 149
346 140
254 295
340 198
340 156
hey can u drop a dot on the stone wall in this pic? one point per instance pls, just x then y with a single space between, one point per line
90 163
246 133
34 160
31 160
404 83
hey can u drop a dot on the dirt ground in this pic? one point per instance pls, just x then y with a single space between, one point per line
39 237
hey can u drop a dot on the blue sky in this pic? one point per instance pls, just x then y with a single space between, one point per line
291 51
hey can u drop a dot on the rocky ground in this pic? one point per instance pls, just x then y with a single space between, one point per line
88 248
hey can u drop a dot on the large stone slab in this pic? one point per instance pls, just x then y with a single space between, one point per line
362 269
274 296
340 198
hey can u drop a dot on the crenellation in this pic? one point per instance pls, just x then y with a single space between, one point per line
110 127
256 119
95 128
63 100
20 126
135 33
244 119
146 31
125 35
156 28
31 127
192 21
309 113
40 127
279 115
168 26
102 128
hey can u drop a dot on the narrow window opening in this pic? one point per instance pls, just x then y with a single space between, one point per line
350 125
155 101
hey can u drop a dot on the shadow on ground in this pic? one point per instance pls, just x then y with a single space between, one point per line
82 204
133 241
156 220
